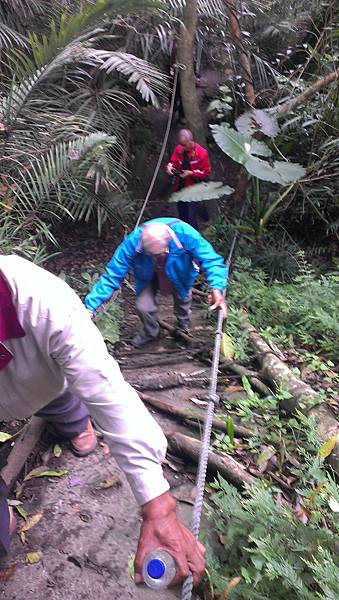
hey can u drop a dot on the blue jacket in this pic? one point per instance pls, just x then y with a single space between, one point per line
180 268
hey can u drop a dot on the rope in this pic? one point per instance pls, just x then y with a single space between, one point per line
213 400
164 144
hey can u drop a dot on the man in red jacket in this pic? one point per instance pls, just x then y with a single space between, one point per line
193 163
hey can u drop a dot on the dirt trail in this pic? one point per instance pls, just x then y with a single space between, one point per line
87 535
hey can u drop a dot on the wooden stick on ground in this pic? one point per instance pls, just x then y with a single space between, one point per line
22 449
230 365
192 417
176 332
185 446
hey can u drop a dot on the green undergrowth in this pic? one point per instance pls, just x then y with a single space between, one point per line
279 539
109 316
303 312
267 552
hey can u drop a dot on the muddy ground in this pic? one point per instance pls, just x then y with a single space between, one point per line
87 535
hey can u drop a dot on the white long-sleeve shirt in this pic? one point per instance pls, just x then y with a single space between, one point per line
63 349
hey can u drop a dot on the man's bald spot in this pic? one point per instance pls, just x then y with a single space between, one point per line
155 238
186 135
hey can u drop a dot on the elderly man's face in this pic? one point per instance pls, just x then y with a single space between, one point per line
185 141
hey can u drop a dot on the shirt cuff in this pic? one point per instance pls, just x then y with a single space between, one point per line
148 485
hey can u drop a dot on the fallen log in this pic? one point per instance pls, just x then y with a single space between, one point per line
192 417
230 365
174 360
165 381
21 450
302 396
188 447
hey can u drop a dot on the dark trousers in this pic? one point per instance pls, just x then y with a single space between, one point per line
188 212
69 417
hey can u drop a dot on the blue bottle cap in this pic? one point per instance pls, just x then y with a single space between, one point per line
156 568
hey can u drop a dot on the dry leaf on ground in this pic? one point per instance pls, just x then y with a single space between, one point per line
30 522
33 557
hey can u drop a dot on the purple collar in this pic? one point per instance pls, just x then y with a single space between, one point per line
9 325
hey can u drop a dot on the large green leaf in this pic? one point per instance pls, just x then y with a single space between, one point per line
288 171
202 191
245 150
256 120
278 172
232 142
263 170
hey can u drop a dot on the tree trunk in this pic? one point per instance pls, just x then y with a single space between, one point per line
244 59
303 397
185 53
239 195
185 446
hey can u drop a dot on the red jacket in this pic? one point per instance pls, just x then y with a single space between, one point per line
199 164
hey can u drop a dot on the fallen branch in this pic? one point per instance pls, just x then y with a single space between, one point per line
185 446
193 418
163 382
308 93
229 365
176 332
21 450
174 360
302 396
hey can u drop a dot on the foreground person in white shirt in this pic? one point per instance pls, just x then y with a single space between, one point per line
54 362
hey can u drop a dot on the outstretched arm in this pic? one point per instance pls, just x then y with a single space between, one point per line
203 252
116 271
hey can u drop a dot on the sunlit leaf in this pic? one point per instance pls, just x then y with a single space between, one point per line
44 472
33 557
30 522
131 569
22 512
230 429
227 347
328 446
57 451
112 481
4 437
333 504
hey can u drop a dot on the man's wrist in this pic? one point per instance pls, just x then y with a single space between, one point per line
159 508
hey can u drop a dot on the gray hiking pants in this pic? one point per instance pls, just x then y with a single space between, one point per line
147 311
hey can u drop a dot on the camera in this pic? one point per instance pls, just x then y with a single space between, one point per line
177 171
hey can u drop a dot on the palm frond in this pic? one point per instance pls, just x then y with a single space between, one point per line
147 79
10 37
45 180
70 27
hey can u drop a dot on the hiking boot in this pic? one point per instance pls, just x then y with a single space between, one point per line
184 326
84 443
141 340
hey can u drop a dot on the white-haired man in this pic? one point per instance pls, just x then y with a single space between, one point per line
163 255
